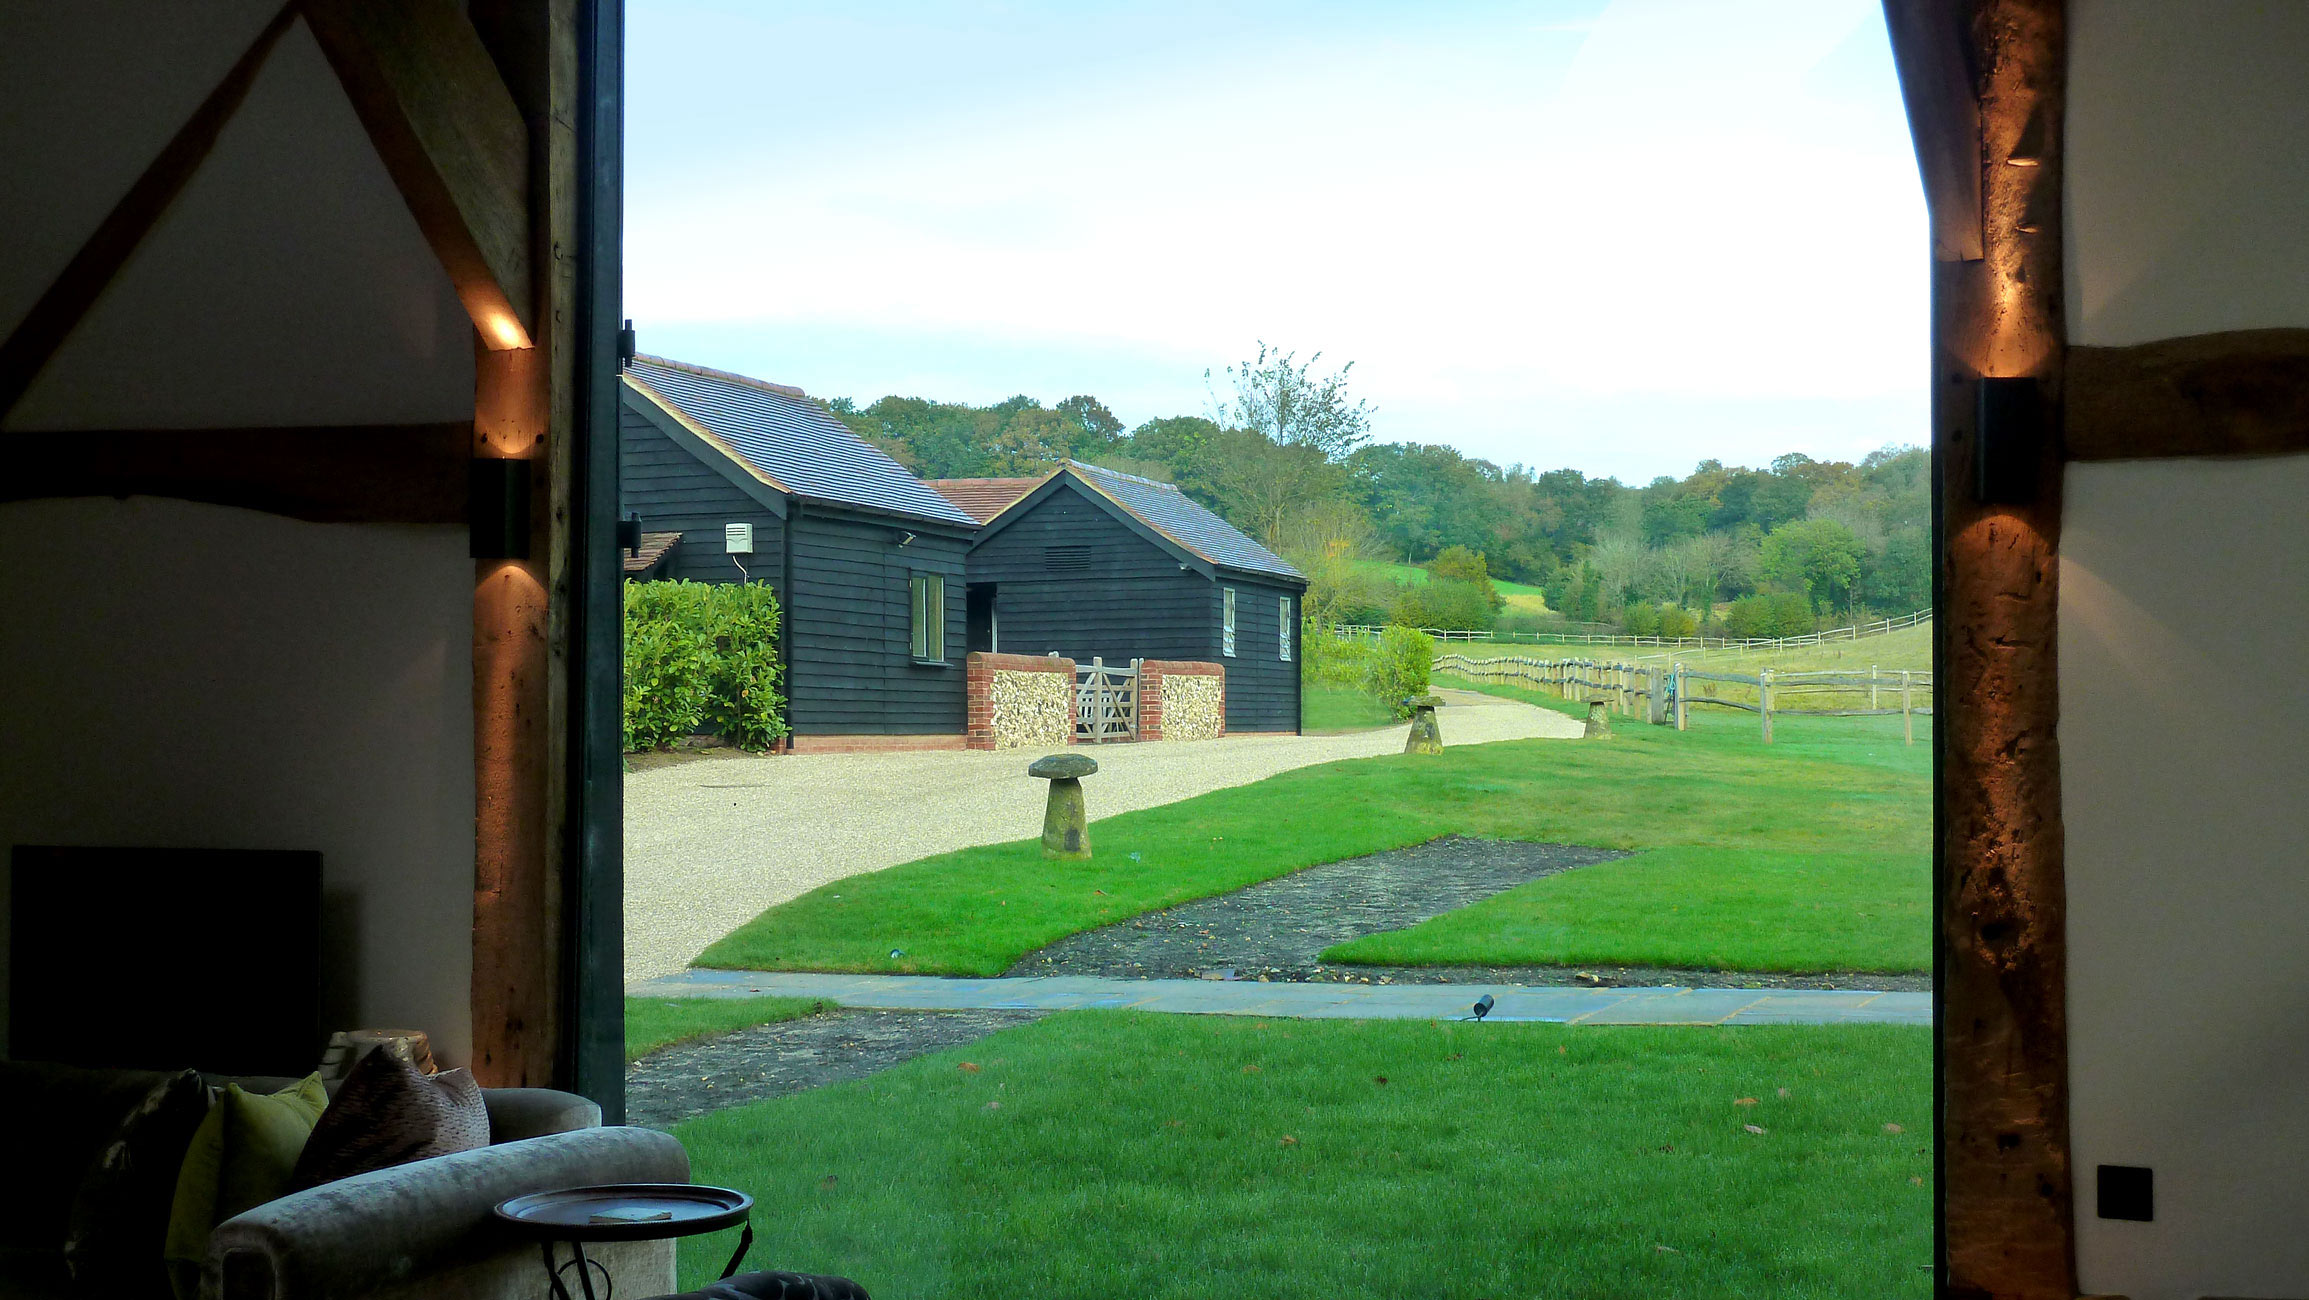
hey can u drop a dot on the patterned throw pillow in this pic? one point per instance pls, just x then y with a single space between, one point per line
388 1114
120 1211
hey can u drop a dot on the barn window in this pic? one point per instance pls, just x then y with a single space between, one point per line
1283 621
1227 622
1066 559
929 618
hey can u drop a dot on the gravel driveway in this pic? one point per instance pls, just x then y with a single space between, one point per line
711 842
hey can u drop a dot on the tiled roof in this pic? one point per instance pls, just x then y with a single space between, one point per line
653 548
794 440
1170 512
983 498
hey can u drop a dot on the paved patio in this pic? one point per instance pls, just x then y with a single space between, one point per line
1573 1006
711 842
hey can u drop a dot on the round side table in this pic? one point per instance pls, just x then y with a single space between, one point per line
623 1212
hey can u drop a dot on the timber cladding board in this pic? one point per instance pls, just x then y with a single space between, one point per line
849 624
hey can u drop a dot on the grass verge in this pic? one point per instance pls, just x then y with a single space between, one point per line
654 1023
1337 708
1120 1154
1840 798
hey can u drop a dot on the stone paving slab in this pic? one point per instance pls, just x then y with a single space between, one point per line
1577 1006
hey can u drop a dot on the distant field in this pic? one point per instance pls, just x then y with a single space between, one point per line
1909 648
1521 598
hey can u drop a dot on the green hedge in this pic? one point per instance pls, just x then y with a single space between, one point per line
701 657
1391 669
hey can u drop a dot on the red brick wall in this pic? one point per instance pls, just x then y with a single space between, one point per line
1150 690
980 668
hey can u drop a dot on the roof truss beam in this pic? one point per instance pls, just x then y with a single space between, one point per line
453 139
363 473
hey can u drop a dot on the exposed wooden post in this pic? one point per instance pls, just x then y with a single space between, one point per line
2008 1218
1907 717
516 903
1764 700
1871 688
1680 706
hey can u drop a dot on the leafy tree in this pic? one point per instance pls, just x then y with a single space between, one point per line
1444 603
1090 415
1458 564
1818 557
1282 398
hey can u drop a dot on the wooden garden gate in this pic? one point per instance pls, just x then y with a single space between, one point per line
1105 701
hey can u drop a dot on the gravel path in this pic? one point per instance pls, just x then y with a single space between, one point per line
1278 929
712 841
666 1087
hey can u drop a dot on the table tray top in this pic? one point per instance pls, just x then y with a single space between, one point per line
625 1212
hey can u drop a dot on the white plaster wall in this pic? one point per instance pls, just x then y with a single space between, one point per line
176 674
2184 683
2188 197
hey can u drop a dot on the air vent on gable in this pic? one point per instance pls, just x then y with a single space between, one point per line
1066 559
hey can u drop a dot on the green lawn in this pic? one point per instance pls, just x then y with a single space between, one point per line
1819 845
1130 1155
1336 708
1521 597
652 1023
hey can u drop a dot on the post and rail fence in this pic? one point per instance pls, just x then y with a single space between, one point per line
1665 694
1856 632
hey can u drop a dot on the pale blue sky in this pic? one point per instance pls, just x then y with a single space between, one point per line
1617 235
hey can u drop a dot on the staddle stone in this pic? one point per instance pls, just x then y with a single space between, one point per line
1598 720
1426 737
1065 822
1063 767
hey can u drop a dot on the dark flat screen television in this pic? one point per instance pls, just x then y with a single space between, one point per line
165 958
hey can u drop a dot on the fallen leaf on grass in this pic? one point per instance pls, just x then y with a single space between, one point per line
1894 1128
1287 1141
1783 1092
1744 1101
1174 1123
1916 1182
827 1183
1667 1250
1456 1056
968 1067
1250 1069
1753 1129
994 1105
1379 1079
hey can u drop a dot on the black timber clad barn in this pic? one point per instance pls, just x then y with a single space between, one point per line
853 543
1092 562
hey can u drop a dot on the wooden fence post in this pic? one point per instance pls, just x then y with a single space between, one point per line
1679 696
1871 688
1764 700
1655 704
1907 719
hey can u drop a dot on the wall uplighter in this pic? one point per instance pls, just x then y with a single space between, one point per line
497 508
2008 439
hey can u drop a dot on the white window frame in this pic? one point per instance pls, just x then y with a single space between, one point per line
927 639
1227 622
1284 623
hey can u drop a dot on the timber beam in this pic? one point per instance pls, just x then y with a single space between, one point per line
454 140
362 473
2243 393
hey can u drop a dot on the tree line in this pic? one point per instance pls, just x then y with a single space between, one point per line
1283 452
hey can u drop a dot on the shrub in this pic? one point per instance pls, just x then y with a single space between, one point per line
744 704
1444 603
699 655
1398 667
1770 614
1459 564
1327 660
1641 620
1676 621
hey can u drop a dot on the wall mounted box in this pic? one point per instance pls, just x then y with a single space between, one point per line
738 539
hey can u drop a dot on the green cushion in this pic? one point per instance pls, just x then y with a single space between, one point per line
242 1156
